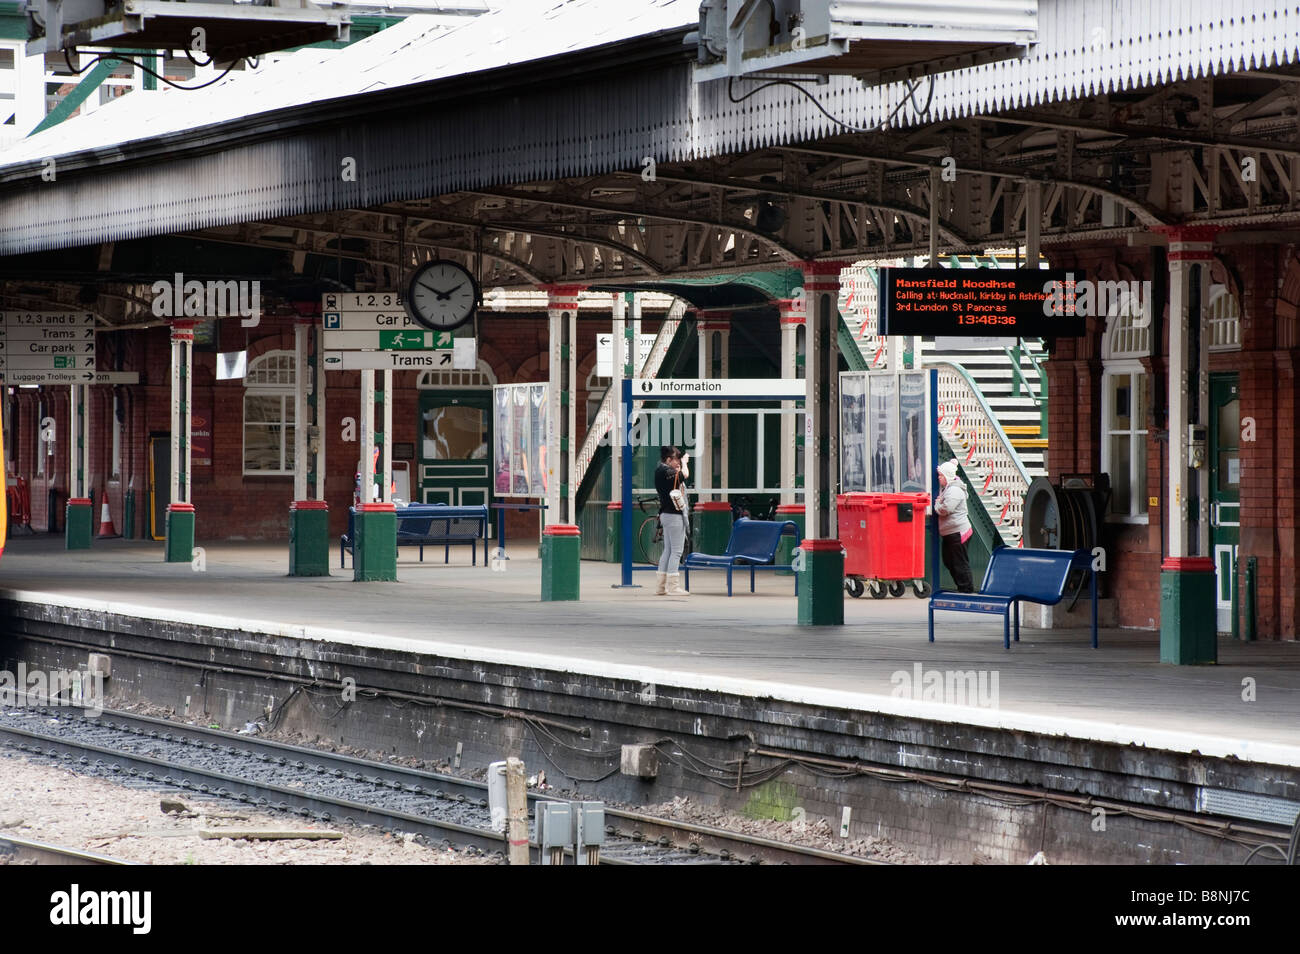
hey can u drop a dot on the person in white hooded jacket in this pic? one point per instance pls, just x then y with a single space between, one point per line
954 525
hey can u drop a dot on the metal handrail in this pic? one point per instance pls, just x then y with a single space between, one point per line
982 447
604 420
1019 380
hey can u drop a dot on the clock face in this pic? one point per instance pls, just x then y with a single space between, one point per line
442 295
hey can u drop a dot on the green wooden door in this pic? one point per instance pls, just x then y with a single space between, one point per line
1225 488
455 429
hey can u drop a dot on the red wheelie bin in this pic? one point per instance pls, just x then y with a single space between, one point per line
884 542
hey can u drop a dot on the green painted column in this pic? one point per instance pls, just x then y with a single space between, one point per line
374 551
821 583
710 526
561 562
78 523
1188 626
614 533
309 538
179 545
785 549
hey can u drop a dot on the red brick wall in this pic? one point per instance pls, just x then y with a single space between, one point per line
1267 282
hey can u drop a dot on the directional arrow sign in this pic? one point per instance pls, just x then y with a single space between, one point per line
51 362
408 340
386 360
50 377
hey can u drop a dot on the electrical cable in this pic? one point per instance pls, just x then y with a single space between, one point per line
911 97
149 72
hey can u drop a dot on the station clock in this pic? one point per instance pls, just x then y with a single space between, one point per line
442 295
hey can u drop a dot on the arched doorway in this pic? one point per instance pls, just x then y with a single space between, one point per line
455 436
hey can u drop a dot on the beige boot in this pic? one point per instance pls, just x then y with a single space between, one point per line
661 582
675 585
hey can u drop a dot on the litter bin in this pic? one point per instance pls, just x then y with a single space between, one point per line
561 562
884 542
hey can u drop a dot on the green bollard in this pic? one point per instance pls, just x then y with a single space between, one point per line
785 549
179 539
561 562
821 583
374 551
1188 622
309 538
614 533
78 523
710 526
128 515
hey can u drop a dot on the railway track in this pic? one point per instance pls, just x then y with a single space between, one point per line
23 851
328 787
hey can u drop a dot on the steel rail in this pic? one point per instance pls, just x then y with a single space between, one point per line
24 850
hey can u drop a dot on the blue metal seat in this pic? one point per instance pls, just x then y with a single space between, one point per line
1015 575
753 543
434 525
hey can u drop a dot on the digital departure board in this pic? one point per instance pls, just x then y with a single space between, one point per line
980 302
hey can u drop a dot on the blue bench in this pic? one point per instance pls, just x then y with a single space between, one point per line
1015 575
753 544
421 525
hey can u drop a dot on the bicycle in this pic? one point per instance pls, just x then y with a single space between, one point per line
753 508
650 535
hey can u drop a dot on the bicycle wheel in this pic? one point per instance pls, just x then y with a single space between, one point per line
649 541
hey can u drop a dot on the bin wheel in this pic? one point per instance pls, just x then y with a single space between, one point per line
877 590
921 588
855 587
897 588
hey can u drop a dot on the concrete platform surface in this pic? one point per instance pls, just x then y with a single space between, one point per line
1052 681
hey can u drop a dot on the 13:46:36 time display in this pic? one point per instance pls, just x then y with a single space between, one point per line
986 319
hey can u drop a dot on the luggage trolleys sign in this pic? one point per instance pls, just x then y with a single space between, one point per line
371 330
47 347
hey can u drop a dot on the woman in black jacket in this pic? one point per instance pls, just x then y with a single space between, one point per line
673 514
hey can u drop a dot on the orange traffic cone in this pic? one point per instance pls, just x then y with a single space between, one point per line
105 523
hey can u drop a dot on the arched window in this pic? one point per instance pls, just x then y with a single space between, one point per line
268 414
482 377
1125 402
1224 320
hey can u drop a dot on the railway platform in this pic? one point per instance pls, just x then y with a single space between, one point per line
719 686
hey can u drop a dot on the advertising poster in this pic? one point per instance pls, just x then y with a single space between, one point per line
882 432
853 432
521 447
915 445
522 426
201 439
538 423
501 445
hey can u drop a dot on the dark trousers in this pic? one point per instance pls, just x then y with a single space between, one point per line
958 564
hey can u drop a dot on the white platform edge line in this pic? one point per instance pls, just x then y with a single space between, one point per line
1272 753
